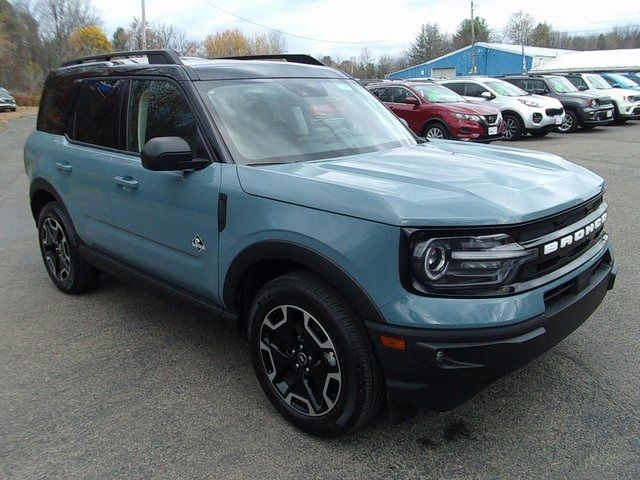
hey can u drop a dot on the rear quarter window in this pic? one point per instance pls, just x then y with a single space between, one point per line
55 105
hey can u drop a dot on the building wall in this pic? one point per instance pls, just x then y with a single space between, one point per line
488 62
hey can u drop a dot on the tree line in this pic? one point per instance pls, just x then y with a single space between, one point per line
37 36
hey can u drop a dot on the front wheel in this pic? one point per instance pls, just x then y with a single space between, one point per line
569 123
312 357
435 130
513 128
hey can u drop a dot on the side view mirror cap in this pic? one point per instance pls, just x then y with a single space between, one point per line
165 154
411 100
487 95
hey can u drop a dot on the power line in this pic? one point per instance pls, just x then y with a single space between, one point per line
290 34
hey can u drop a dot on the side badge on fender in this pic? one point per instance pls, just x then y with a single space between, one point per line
198 244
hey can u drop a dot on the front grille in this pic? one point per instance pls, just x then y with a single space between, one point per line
491 119
552 112
604 101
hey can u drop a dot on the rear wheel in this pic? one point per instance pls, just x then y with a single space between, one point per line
569 123
513 127
312 357
435 130
59 248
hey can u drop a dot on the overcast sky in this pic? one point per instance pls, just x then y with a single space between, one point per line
383 27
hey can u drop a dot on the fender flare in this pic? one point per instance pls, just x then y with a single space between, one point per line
332 273
40 184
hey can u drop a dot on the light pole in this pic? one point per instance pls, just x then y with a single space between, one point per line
144 28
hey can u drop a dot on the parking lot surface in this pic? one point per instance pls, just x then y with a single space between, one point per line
119 383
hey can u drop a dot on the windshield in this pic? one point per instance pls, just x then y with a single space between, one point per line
562 85
598 82
438 94
505 88
622 80
285 120
2 90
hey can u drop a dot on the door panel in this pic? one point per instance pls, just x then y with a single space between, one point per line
159 214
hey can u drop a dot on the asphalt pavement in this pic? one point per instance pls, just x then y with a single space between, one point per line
119 383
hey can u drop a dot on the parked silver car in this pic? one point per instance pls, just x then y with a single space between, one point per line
522 112
7 102
626 102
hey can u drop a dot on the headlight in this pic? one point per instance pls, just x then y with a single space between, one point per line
593 102
466 116
530 103
625 99
442 265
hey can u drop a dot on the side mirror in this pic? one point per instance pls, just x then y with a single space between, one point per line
166 154
411 100
404 122
582 88
487 95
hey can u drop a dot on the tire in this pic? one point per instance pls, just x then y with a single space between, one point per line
13 109
60 254
588 127
435 130
539 133
616 115
513 127
570 122
302 333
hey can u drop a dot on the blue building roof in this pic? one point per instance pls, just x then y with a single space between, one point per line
491 59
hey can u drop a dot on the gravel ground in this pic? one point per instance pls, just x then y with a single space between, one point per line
119 383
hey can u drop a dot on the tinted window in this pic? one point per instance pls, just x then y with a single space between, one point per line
473 90
578 82
96 119
57 100
384 94
518 82
399 94
456 87
532 85
159 109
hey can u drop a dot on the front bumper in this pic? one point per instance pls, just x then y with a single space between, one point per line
441 368
476 131
629 111
597 116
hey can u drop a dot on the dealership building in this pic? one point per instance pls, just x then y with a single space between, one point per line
490 59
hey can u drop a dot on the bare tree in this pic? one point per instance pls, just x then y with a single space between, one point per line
519 28
277 42
59 18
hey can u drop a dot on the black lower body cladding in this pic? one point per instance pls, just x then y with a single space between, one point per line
440 369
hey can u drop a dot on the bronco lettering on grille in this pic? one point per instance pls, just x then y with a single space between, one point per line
575 236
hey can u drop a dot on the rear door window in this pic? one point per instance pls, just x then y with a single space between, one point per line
457 87
96 119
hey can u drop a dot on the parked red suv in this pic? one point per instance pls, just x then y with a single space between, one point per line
434 111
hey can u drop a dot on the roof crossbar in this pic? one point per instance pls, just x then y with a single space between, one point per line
287 57
155 57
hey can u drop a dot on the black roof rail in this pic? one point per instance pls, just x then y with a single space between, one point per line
155 57
287 57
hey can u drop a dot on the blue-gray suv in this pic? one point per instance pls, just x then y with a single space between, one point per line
365 265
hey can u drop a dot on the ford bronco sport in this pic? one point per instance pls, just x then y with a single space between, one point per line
363 263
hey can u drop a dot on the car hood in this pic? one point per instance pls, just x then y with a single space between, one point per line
545 102
440 183
618 93
468 107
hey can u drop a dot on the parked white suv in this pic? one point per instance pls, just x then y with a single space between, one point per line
626 102
522 112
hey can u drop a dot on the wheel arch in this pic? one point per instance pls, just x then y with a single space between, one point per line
514 113
435 120
42 192
262 262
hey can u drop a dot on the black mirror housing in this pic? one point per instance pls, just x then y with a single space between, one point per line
162 154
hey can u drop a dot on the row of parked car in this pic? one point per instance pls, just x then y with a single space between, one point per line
485 109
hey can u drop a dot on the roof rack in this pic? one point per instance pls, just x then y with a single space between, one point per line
287 57
155 57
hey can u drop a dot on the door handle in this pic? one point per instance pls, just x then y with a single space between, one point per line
64 166
127 182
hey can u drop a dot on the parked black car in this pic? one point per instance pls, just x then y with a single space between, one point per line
582 109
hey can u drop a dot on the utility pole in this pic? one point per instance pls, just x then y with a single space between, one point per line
473 44
144 28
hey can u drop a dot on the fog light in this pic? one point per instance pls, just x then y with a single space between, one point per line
440 356
537 117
